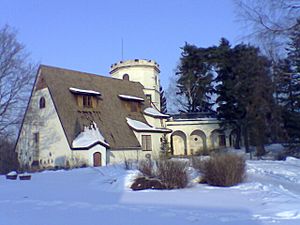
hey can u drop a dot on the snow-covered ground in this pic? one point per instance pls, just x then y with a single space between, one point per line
271 195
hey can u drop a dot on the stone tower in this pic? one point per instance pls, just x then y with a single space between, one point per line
139 70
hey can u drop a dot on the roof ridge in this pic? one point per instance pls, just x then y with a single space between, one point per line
80 72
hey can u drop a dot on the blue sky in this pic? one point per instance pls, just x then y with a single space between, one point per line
86 35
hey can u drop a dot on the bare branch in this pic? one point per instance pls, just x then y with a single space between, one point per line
16 76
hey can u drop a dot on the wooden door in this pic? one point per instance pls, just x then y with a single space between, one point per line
97 159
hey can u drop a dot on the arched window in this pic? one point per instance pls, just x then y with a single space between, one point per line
125 76
42 103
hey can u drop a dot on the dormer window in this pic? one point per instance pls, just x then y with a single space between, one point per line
42 103
86 98
132 103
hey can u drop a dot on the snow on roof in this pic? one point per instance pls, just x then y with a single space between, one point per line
129 97
140 126
82 91
88 137
154 112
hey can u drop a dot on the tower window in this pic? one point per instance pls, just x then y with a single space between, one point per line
125 76
42 103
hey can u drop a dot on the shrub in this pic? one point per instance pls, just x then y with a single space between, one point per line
293 151
172 173
8 158
197 163
146 168
128 164
223 170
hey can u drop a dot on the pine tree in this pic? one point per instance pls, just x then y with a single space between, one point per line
294 58
195 79
287 79
227 100
255 93
163 101
244 92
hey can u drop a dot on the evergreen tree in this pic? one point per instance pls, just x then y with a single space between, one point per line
244 92
195 79
163 101
227 100
287 79
294 58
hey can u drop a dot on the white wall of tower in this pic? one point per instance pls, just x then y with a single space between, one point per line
144 71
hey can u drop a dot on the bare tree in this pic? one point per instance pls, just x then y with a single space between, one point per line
269 22
16 78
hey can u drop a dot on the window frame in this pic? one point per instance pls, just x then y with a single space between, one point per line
149 97
125 76
87 101
36 138
42 103
146 142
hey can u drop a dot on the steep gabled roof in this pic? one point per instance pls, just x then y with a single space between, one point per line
109 115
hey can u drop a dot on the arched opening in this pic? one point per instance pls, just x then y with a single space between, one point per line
218 139
97 159
42 103
125 76
197 141
178 143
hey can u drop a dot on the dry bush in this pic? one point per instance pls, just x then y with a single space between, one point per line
146 168
8 158
223 170
197 163
129 164
172 173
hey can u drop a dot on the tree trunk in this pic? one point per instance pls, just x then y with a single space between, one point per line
246 139
237 144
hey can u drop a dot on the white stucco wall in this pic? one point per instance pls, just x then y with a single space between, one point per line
53 148
120 155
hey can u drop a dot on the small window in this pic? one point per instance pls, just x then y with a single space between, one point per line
149 98
196 139
125 76
36 137
87 101
42 103
146 142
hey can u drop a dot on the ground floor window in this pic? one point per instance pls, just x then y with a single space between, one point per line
146 142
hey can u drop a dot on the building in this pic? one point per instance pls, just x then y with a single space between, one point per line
75 118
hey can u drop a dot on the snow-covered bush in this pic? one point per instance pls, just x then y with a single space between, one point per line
223 170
